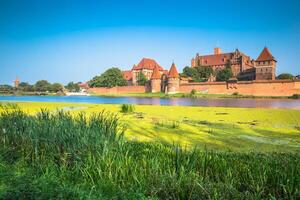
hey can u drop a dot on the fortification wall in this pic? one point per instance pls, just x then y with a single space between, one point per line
119 90
256 88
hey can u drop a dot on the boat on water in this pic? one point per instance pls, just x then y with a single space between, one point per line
77 94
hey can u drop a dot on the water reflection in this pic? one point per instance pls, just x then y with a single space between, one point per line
217 102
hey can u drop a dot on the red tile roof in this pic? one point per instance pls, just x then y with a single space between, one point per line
173 73
265 55
147 63
215 59
127 75
156 74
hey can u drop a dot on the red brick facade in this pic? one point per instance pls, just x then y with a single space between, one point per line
242 66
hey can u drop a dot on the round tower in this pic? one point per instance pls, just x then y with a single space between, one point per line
155 80
173 80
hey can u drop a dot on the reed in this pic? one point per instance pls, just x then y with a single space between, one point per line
60 156
127 108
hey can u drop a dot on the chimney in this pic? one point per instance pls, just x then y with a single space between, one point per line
217 50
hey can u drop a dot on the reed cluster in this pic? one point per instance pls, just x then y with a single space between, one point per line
60 156
127 108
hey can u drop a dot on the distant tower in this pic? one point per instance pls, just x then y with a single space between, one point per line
155 80
173 80
217 50
17 82
265 66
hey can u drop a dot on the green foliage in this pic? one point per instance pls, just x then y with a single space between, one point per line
295 96
110 78
224 74
285 76
199 74
42 86
141 79
73 87
25 87
58 156
7 89
56 87
127 108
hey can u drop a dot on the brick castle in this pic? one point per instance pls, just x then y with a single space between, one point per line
243 67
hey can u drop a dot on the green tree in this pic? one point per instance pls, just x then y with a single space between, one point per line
189 71
110 78
199 73
141 79
6 89
25 87
42 86
56 87
285 76
224 74
73 87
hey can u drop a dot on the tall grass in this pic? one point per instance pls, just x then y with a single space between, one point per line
127 108
58 156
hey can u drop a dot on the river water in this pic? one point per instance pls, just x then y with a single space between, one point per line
210 102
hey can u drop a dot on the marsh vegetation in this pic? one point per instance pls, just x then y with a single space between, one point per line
56 155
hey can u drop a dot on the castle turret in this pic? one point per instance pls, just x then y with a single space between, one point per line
265 66
173 80
16 82
155 80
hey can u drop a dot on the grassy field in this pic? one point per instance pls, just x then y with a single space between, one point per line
218 128
59 155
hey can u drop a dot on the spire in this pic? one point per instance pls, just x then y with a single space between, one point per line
173 73
265 55
155 74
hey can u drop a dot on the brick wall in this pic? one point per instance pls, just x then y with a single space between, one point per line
119 90
256 88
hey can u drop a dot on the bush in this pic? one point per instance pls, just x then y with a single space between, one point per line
295 96
127 108
284 76
235 93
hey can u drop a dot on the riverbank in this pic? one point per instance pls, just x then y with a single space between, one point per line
217 128
189 95
57 155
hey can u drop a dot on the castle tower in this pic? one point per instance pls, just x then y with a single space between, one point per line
217 51
16 82
155 81
265 66
173 80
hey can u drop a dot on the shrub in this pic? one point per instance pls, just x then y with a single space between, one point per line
235 93
284 76
295 96
127 108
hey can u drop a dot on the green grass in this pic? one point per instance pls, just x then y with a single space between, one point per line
127 108
216 128
59 155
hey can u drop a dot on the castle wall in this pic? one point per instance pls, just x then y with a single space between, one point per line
155 85
119 90
256 88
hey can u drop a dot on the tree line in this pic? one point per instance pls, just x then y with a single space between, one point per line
41 86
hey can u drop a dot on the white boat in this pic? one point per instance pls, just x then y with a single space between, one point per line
77 94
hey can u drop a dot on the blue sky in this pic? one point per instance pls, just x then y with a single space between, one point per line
72 40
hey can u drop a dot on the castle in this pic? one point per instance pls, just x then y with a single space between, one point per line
159 79
242 66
